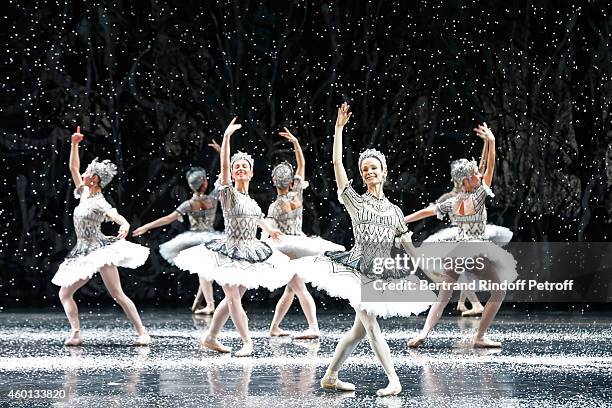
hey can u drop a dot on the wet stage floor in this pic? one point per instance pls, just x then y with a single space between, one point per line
548 359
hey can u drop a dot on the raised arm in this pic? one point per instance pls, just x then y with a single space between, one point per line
339 171
419 215
482 166
299 155
165 220
75 162
485 133
226 171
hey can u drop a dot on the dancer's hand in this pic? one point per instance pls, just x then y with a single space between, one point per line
232 127
287 135
77 137
275 234
483 132
216 145
140 231
123 231
343 115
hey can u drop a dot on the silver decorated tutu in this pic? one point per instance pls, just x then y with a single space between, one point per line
169 250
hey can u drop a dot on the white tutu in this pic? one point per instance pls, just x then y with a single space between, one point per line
169 250
494 233
502 266
271 273
120 253
299 246
343 282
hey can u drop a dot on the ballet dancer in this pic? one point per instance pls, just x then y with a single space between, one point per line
239 261
201 209
377 223
467 211
285 213
95 251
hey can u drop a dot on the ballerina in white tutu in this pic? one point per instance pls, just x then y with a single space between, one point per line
468 212
201 210
94 251
239 261
377 223
494 233
286 214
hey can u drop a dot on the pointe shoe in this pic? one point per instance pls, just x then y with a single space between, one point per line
336 385
474 311
417 341
213 344
246 350
278 332
143 340
208 310
309 334
74 339
484 342
462 308
394 388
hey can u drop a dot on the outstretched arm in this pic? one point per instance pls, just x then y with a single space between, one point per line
269 228
226 171
299 155
339 171
165 220
419 215
485 133
75 161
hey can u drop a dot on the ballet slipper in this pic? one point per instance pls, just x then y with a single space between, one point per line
143 340
335 384
278 332
417 341
246 350
208 310
309 334
394 388
475 311
483 342
213 344
74 339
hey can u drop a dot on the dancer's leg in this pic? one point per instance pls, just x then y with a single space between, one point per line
435 312
66 295
219 319
383 354
461 303
308 307
282 307
197 302
344 349
476 307
205 290
110 277
239 317
490 310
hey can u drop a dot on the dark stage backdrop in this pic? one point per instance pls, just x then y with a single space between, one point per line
151 83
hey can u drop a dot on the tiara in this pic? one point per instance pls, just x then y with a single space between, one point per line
375 154
461 169
103 169
242 156
196 177
282 174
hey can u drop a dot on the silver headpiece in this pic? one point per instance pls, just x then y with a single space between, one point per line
282 175
103 169
461 169
375 154
196 176
241 156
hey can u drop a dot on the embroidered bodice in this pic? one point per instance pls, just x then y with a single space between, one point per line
200 220
241 213
472 224
287 220
88 217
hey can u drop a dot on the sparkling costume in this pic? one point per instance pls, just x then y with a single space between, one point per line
239 258
94 249
377 223
472 237
295 243
201 225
